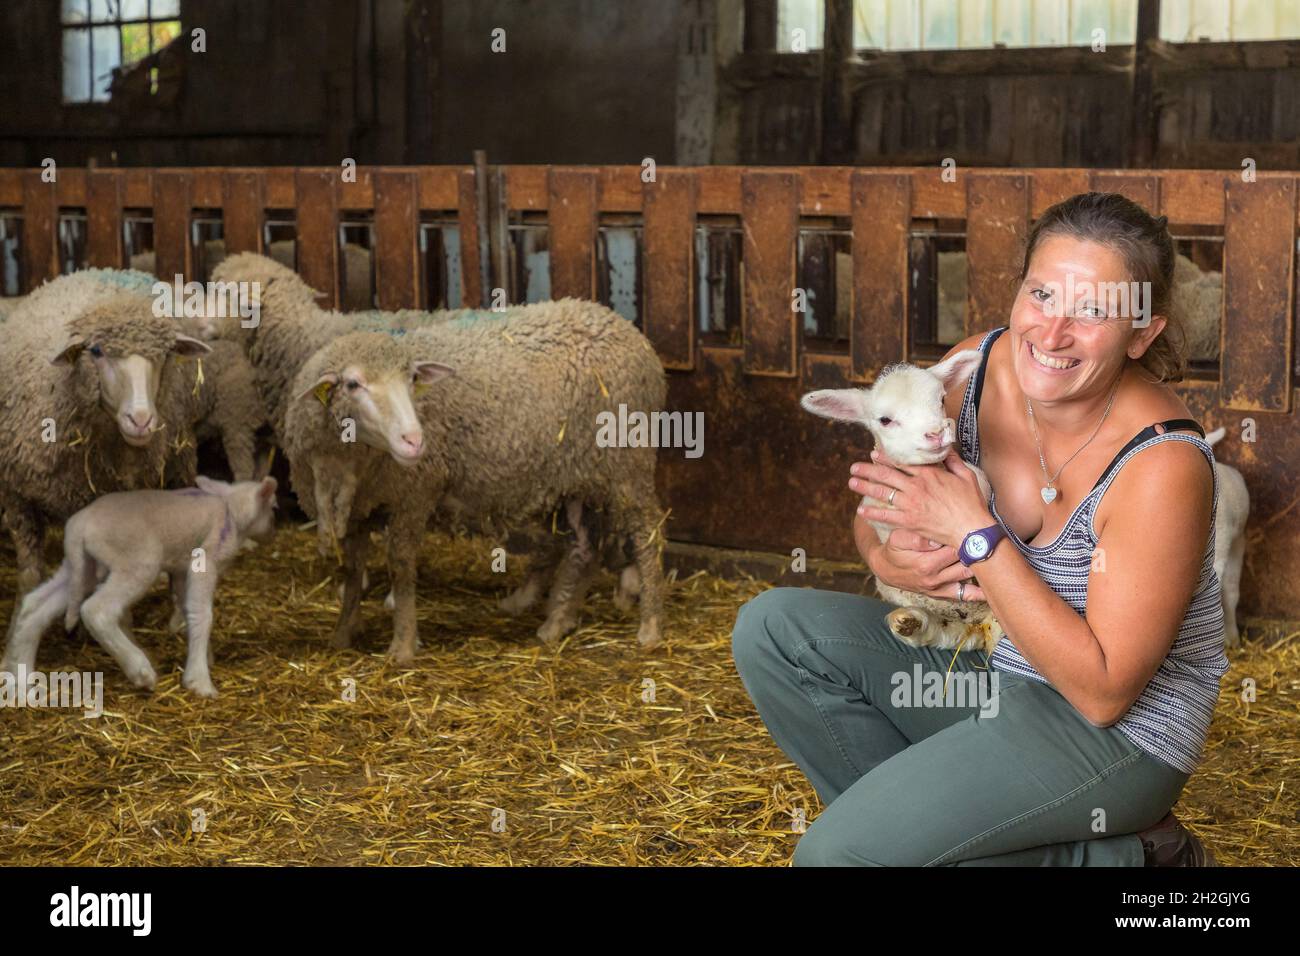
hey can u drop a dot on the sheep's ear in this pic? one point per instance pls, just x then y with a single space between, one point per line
426 373
956 368
71 352
841 404
323 387
211 485
188 346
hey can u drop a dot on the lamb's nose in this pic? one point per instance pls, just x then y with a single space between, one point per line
935 438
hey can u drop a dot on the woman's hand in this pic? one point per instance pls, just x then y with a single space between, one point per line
912 563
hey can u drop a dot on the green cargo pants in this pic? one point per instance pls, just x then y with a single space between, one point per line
916 766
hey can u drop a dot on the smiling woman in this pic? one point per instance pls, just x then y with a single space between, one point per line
1107 592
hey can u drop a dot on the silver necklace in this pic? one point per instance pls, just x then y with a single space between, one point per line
1048 491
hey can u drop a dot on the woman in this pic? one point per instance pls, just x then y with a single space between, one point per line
1096 555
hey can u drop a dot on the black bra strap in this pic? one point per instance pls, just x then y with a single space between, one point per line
979 375
1144 435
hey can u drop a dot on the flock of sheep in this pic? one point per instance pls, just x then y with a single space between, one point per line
391 422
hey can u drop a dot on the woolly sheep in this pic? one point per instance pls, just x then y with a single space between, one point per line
88 407
125 540
904 412
1229 538
500 439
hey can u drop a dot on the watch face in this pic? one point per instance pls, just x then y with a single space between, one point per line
976 546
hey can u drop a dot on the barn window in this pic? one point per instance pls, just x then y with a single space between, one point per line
100 36
973 24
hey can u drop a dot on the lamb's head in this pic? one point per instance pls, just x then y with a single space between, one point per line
903 409
370 379
118 351
251 503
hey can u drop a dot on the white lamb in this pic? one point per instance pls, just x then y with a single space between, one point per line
1229 538
904 412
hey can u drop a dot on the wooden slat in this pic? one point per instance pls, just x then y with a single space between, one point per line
1050 186
572 221
997 225
397 257
669 241
243 211
770 211
1142 188
11 187
172 205
471 260
104 189
1192 196
40 230
318 232
1258 259
882 204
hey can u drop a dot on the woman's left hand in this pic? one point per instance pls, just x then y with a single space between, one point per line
942 503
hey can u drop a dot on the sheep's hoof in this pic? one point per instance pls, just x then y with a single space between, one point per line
402 654
648 635
518 601
908 625
199 686
343 635
556 626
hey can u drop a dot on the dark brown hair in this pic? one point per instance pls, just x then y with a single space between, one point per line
1144 243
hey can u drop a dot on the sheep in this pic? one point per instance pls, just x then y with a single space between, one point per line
220 399
499 439
125 540
1229 538
904 412
88 407
8 304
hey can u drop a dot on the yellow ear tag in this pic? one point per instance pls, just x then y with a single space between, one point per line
421 387
322 391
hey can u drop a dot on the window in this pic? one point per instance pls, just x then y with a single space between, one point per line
100 36
973 24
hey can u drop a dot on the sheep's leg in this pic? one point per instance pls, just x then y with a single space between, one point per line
199 588
403 548
647 545
355 546
103 612
629 585
177 586
28 531
526 595
572 580
1231 589
541 564
239 445
37 611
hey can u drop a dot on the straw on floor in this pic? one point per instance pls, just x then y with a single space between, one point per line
492 748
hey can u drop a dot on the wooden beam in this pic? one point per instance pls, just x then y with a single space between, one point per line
397 225
997 225
770 214
669 255
172 207
40 230
882 205
318 232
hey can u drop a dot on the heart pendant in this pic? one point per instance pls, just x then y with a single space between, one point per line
1049 494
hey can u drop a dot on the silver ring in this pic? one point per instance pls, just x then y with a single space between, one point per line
961 590
891 497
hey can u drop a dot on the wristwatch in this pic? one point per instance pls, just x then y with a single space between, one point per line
979 544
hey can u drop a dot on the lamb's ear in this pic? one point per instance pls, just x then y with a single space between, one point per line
70 352
187 346
841 404
211 485
267 491
426 373
323 387
956 368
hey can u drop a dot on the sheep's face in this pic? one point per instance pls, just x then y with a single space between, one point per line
127 374
379 398
904 410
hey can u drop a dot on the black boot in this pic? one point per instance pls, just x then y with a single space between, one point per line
1169 844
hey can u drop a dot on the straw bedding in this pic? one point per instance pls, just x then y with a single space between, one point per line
492 748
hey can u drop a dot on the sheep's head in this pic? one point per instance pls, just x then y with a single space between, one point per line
239 287
251 503
903 410
370 379
119 349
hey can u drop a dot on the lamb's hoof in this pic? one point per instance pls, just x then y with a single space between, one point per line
555 627
176 623
200 686
648 635
908 625
142 675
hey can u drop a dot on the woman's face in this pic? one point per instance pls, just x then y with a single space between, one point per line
1057 355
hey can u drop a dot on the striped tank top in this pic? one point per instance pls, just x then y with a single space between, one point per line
1171 717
